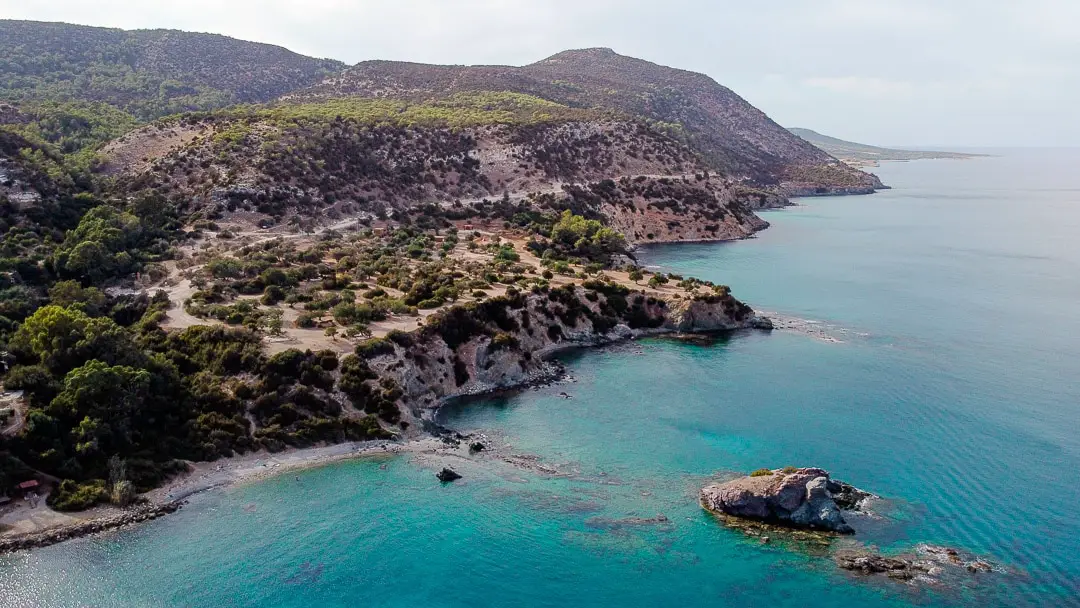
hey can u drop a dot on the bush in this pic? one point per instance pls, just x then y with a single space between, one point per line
503 340
761 473
374 347
72 496
123 493
788 470
272 295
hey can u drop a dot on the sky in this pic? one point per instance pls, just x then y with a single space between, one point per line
886 72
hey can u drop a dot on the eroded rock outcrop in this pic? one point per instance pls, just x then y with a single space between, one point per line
504 342
802 498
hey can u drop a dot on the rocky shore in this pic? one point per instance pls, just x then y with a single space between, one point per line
804 498
52 536
488 349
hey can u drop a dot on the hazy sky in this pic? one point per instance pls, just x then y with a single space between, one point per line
901 72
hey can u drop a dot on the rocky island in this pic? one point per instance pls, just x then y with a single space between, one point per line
800 498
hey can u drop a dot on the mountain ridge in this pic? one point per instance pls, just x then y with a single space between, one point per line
148 72
731 134
151 73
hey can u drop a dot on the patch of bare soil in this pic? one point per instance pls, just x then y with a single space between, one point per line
136 150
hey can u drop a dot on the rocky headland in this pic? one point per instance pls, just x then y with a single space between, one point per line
507 342
805 498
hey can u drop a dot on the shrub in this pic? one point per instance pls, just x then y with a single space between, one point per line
72 496
761 473
374 347
399 337
788 470
503 340
272 295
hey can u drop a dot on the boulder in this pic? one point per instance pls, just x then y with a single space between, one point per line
759 322
800 498
447 475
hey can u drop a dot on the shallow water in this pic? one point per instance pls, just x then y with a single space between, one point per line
953 394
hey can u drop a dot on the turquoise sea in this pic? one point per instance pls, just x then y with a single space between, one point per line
954 393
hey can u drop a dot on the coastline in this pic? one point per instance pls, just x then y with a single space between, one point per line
43 527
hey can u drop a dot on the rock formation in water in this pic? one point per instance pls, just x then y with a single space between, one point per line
928 564
447 475
801 498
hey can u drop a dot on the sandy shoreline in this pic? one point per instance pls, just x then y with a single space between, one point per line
257 466
205 476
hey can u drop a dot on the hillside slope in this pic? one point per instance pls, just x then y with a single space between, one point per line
147 73
729 133
851 151
373 159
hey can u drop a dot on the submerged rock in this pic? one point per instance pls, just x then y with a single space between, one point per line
447 475
927 565
476 446
800 498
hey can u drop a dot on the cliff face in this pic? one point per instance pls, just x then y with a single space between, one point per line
502 343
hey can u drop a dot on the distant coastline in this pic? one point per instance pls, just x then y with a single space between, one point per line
863 155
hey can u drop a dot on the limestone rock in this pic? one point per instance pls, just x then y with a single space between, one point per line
800 498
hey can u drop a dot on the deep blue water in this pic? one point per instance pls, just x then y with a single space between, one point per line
954 394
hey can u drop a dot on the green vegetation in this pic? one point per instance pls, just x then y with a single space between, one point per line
466 109
145 73
75 129
761 473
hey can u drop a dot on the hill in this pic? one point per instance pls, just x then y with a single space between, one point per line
851 151
299 163
146 73
731 135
